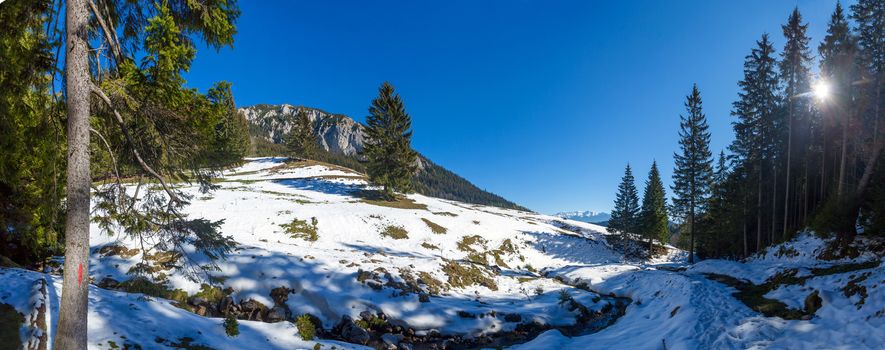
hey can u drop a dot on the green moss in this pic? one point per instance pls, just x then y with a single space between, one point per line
301 229
395 232
154 289
10 323
435 228
371 323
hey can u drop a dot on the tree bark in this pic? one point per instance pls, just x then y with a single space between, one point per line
71 331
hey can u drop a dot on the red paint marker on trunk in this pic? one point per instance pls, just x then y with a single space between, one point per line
79 274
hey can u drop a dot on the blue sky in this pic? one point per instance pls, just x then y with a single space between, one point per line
542 102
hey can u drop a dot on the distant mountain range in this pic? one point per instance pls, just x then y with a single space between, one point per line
592 217
342 139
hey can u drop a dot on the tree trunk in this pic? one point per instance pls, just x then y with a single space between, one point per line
773 203
840 187
759 211
744 219
71 331
691 236
789 159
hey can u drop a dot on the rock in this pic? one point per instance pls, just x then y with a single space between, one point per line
280 295
352 333
278 313
253 310
391 340
423 297
108 283
813 302
405 346
226 305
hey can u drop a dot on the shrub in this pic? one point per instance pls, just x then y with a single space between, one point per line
306 329
231 326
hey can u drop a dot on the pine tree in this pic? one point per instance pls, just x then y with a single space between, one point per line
870 18
388 148
653 215
625 215
692 174
302 139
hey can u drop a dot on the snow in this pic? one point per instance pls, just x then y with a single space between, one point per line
673 304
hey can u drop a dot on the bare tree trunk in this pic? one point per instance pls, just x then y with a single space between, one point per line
773 203
71 332
840 189
744 219
759 211
789 159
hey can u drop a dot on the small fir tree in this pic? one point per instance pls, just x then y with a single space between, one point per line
625 215
653 215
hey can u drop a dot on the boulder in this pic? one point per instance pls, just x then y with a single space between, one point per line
352 333
108 283
278 313
391 340
813 302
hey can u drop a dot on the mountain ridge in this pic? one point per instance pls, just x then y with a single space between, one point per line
341 137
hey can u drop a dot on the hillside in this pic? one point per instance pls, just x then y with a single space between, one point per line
425 272
341 140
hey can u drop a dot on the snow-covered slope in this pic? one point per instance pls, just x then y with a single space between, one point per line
424 272
429 266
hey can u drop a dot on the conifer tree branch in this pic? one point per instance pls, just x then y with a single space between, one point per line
109 34
119 119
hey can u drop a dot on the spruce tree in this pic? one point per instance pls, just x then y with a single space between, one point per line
161 128
757 128
653 215
625 215
794 74
302 140
693 173
388 146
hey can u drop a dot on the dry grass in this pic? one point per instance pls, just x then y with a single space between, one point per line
434 227
395 232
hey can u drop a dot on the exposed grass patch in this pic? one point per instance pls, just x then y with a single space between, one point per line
301 229
465 245
445 213
395 232
460 276
10 323
399 202
434 227
429 246
434 286
158 290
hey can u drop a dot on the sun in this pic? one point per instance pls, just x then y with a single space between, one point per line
821 90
